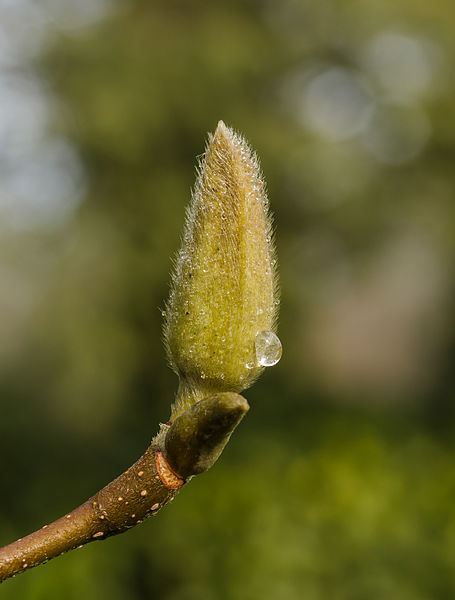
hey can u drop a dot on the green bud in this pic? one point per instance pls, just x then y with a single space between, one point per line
222 310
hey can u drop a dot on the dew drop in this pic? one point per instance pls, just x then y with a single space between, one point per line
268 348
250 365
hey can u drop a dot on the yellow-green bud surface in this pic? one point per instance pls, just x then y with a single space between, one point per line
221 314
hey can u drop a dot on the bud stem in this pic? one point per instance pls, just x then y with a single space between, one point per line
191 445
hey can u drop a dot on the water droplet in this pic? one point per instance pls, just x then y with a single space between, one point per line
203 375
250 365
268 348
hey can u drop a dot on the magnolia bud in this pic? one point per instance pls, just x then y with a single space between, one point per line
222 309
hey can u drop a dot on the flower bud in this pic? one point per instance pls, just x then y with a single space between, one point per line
222 309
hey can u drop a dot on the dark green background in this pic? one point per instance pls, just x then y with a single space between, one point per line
340 483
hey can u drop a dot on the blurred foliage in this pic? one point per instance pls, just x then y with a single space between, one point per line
340 482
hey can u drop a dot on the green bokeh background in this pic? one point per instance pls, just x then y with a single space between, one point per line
340 483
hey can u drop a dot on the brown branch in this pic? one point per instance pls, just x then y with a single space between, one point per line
188 446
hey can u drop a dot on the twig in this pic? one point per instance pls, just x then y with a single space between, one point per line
187 447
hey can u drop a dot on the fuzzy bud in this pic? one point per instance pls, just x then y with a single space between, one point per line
221 313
